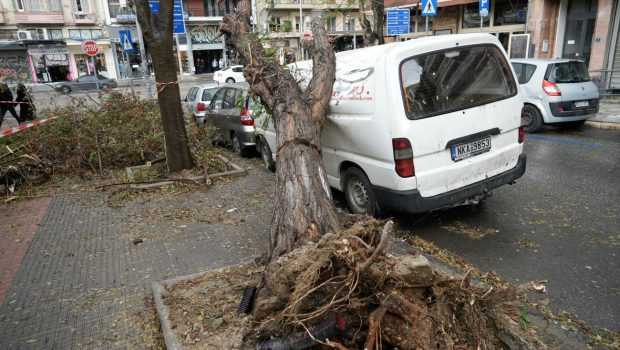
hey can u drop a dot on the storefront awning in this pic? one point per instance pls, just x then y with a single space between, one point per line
99 42
391 4
25 44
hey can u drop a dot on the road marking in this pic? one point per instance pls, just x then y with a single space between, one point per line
563 140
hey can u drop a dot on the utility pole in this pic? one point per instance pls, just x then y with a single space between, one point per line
301 29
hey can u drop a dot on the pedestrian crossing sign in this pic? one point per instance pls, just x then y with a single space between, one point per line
125 36
429 7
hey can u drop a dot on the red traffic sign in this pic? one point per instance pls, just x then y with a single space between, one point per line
90 48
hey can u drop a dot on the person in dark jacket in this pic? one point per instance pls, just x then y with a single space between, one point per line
25 100
6 103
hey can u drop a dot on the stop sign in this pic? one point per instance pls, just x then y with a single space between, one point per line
90 48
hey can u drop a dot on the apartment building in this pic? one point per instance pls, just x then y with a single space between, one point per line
581 29
282 20
41 40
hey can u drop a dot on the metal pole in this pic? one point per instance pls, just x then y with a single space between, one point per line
176 37
481 23
301 29
145 68
426 25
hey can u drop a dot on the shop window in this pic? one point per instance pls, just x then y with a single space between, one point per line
509 12
8 34
471 17
19 5
84 64
55 34
84 34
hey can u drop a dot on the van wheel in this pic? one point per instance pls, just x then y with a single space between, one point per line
358 191
531 119
265 153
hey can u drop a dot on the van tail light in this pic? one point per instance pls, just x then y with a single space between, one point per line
521 134
200 107
246 117
551 89
403 157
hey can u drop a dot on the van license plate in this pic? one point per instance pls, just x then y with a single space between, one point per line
579 104
470 149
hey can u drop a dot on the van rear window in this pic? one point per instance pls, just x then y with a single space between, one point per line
447 81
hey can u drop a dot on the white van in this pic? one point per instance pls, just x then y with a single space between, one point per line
418 125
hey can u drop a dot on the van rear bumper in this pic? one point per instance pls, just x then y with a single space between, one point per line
412 202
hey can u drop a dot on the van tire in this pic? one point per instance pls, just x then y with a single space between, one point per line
358 192
531 119
265 153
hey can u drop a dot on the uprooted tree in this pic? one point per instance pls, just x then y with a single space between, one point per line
157 32
320 279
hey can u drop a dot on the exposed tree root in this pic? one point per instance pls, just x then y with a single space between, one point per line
386 301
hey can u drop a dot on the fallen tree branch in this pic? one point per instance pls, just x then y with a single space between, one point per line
387 229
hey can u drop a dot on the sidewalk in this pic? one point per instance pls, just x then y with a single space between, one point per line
608 116
84 279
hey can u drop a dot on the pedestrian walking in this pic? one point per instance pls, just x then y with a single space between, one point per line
221 63
214 64
6 103
26 103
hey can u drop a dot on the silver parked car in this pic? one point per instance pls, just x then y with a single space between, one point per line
86 82
197 100
555 91
230 111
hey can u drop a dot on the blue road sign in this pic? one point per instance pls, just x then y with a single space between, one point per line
126 42
178 20
429 7
397 22
484 8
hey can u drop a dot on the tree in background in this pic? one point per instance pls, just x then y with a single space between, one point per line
373 28
157 32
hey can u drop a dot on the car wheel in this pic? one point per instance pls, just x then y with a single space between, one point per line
65 89
531 120
358 192
573 125
237 147
230 80
105 87
265 153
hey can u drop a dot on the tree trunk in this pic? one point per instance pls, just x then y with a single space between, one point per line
373 31
303 208
157 30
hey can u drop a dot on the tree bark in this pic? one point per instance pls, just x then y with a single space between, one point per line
157 31
303 208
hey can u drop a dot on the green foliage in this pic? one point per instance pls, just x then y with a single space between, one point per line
524 317
123 130
287 25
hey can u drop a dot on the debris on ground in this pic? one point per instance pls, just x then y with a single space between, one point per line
348 291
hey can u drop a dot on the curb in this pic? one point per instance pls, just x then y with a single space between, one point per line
603 125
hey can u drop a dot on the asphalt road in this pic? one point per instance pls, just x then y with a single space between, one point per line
560 221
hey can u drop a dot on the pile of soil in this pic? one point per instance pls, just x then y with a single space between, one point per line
346 292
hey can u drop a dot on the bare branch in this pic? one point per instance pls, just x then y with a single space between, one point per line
387 229
144 16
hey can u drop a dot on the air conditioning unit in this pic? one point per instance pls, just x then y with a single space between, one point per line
24 35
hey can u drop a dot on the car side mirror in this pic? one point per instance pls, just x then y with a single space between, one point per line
211 106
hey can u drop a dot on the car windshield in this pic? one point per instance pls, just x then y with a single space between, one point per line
448 81
568 72
207 94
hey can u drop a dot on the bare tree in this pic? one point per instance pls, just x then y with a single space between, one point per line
373 30
157 32
303 208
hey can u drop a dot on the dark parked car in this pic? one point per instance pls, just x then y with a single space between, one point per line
86 82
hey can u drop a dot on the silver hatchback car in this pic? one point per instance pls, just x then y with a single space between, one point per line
197 100
555 91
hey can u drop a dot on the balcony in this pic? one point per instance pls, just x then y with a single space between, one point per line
32 17
84 18
315 4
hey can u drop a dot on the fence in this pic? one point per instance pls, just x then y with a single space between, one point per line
607 81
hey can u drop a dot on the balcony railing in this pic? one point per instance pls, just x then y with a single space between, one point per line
208 12
39 17
84 18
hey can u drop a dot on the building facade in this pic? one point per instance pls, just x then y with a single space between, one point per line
282 21
578 29
41 40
